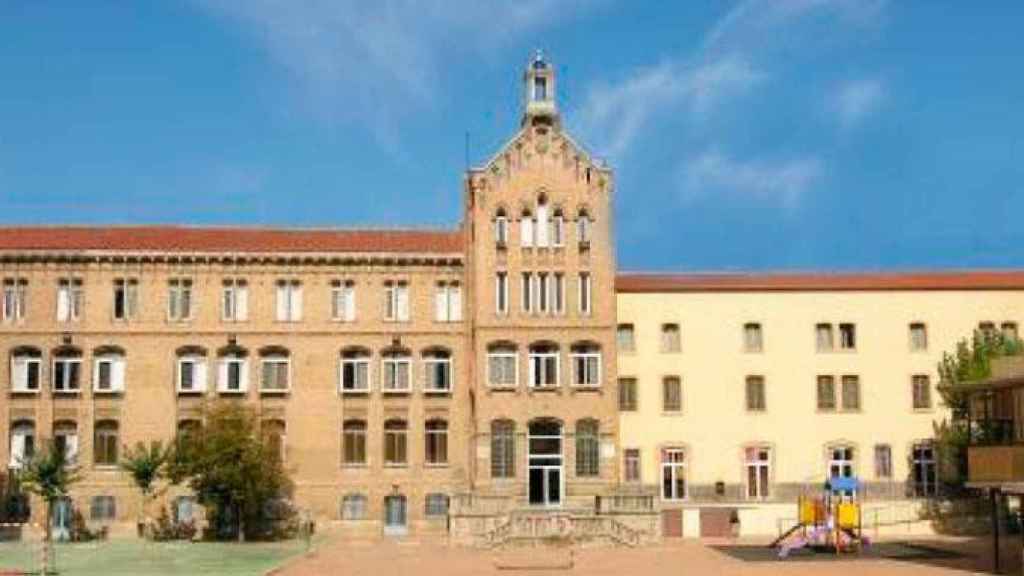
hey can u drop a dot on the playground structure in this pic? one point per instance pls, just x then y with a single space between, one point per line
828 522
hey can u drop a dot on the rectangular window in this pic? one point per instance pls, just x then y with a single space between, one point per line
544 369
558 231
586 368
753 339
353 440
756 394
70 299
823 337
631 464
67 374
923 470
108 374
448 302
558 296
289 301
397 370
353 507
179 299
987 329
670 342
102 509
673 474
1009 330
851 393
191 374
583 231
625 338
883 462
501 231
918 337
436 505
671 394
235 300
436 443
355 373
25 373
502 368
540 88
396 304
438 368
501 293
126 298
233 377
543 293
826 393
395 443
275 375
15 299
503 449
527 290
627 395
526 230
105 444
585 294
848 336
922 391
758 467
343 301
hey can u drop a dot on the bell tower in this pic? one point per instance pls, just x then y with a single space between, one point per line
539 92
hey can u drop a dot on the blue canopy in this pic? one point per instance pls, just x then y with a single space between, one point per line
843 484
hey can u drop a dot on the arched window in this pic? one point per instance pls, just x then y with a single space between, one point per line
587 448
501 228
396 366
275 438
26 369
190 376
353 443
437 363
65 439
67 370
396 443
503 449
543 225
436 436
233 370
544 365
353 507
502 365
105 443
275 370
355 371
23 442
583 228
586 364
526 231
558 229
108 370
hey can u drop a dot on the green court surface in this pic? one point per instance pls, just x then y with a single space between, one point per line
131 556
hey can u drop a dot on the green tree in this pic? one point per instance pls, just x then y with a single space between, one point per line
49 475
145 463
235 473
970 362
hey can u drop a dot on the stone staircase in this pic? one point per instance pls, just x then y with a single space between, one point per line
559 528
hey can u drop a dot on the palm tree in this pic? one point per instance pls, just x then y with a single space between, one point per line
48 474
146 466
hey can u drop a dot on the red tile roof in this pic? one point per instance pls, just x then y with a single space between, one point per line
812 281
202 239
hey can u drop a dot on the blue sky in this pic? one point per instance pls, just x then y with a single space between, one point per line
792 134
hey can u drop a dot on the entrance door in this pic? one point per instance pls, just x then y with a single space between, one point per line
545 463
395 518
60 524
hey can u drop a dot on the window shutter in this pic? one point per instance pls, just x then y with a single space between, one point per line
222 374
282 303
296 303
243 379
403 302
526 231
62 305
441 304
350 304
95 375
542 226
117 375
17 449
19 374
71 447
455 303
241 303
199 376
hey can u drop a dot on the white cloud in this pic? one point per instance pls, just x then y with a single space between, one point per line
855 100
784 182
376 61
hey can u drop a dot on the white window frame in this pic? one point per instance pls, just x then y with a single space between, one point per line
752 460
395 360
526 230
177 289
20 430
235 300
501 231
501 293
355 361
288 300
585 357
117 373
845 465
537 359
15 301
673 467
632 460
70 436
128 288
396 305
224 364
753 338
19 373
918 459
504 354
276 360
916 346
583 229
199 374
70 299
448 302
586 294
429 362
67 360
343 301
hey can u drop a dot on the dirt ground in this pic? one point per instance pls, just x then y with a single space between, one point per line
428 557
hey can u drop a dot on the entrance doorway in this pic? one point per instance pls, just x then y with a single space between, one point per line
545 463
395 516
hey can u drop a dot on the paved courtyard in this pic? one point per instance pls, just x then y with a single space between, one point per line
425 557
